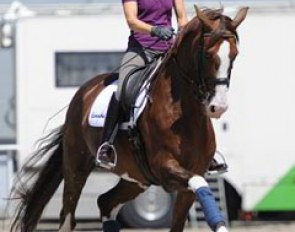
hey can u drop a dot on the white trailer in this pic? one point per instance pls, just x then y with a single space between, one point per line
255 135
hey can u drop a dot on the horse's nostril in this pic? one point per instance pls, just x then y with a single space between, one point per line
212 109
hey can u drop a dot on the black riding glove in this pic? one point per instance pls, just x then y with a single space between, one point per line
164 33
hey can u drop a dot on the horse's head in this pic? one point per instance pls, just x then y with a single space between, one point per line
214 37
218 54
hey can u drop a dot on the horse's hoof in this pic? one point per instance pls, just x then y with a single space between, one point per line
110 226
222 229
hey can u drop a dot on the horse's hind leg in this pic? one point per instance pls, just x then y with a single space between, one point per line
77 169
111 202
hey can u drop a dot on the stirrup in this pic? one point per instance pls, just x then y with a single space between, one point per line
218 172
224 166
104 148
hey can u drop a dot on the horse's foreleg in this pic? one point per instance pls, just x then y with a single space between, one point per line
203 193
182 205
174 174
111 202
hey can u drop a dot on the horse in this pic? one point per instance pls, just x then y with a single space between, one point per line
175 128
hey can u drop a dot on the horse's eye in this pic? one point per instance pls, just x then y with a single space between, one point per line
209 55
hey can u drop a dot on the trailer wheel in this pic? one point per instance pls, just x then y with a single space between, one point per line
151 209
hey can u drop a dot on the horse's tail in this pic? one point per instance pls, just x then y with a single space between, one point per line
43 181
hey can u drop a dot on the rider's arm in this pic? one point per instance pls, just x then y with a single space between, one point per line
180 13
130 10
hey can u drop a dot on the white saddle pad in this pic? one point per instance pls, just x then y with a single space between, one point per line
100 106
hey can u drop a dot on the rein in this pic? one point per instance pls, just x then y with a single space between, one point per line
198 83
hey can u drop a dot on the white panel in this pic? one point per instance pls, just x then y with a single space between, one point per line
259 143
37 40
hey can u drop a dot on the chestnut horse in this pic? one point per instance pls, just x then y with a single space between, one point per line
188 89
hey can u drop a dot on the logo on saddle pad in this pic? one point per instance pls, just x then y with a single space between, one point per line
94 115
99 107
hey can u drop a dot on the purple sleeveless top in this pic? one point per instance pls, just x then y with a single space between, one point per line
155 13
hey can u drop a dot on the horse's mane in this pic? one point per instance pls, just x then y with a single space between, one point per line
213 14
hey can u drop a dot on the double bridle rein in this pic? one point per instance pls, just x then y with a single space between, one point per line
199 82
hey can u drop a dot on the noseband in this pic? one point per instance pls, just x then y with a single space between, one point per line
200 82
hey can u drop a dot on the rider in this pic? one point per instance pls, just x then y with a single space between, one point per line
151 35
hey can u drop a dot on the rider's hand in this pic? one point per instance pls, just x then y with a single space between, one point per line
164 33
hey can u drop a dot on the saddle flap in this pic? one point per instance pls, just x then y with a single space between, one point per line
133 83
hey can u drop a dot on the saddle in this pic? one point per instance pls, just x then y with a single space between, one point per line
136 81
133 83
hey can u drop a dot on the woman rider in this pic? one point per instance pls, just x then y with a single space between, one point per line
151 35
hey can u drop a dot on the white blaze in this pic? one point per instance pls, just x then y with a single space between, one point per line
219 101
223 53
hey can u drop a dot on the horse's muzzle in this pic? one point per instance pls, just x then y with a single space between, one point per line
214 111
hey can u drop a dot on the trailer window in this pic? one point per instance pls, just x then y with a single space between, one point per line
75 68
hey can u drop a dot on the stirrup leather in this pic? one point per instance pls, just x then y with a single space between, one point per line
104 148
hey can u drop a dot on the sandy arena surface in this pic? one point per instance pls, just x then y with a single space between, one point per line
269 227
240 227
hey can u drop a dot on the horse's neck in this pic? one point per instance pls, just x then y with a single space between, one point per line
177 95
173 88
183 67
186 53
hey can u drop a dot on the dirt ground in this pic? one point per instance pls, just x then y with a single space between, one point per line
238 227
261 227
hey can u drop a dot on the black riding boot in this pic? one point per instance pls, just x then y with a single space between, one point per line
106 154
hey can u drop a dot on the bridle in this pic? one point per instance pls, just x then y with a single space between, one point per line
199 82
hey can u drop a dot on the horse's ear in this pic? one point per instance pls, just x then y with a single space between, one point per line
203 18
241 15
221 10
